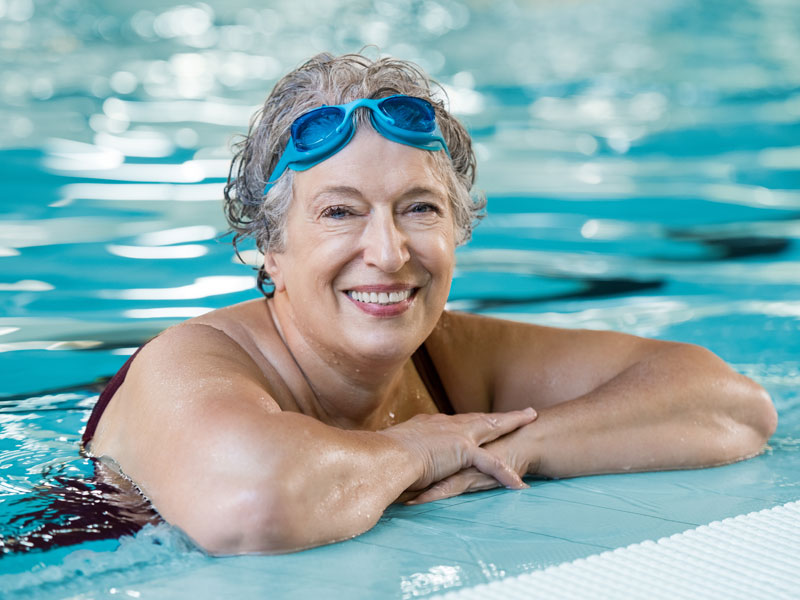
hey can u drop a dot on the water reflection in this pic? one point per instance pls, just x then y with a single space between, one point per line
201 288
68 155
64 510
179 111
49 345
173 312
26 285
433 580
177 235
154 192
137 143
157 252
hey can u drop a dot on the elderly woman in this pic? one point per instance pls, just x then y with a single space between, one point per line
293 421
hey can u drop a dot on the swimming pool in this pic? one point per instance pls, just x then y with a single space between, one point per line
643 172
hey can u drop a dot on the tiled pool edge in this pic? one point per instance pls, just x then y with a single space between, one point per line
755 555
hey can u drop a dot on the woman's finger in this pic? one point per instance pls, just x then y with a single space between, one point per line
491 465
406 497
468 480
444 445
490 426
487 427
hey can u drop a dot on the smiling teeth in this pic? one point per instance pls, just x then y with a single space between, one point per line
380 298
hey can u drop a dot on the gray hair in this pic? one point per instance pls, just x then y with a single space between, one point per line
328 79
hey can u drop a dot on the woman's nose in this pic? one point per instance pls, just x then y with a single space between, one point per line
385 244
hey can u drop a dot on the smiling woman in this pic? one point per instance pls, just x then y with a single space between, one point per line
372 220
349 387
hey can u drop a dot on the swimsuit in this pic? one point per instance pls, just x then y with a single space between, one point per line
421 359
423 363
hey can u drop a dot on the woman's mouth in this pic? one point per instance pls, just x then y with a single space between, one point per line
383 304
383 298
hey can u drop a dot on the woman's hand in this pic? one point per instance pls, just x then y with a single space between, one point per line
511 450
445 445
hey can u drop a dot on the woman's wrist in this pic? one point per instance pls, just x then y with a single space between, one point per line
521 449
407 457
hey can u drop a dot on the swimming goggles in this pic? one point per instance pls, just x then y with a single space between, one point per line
322 132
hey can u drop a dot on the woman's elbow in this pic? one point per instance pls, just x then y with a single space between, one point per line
763 418
245 521
752 420
740 403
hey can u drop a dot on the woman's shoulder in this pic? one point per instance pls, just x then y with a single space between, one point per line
236 339
248 325
484 333
241 321
456 327
222 330
477 356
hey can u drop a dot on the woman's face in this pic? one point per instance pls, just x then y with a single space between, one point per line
369 250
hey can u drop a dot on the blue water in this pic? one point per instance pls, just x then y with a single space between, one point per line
642 163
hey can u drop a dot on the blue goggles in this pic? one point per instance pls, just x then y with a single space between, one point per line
322 132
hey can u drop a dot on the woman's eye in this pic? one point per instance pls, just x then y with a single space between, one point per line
422 207
336 212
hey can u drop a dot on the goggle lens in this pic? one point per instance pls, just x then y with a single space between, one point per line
313 128
411 114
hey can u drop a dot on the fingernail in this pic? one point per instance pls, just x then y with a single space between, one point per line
530 411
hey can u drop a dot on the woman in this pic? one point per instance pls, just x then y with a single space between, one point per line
279 424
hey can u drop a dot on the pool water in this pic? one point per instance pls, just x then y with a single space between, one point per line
642 166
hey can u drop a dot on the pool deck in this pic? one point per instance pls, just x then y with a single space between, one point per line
462 542
750 556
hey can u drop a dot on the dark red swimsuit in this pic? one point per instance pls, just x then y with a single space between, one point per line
421 359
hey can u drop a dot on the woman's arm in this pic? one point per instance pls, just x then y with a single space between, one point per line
196 428
677 406
610 402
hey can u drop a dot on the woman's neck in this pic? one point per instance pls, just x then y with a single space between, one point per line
347 391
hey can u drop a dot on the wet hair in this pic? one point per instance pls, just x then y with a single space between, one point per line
328 79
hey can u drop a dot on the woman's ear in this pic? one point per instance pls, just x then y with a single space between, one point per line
273 269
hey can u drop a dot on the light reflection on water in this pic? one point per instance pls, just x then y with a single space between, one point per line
641 162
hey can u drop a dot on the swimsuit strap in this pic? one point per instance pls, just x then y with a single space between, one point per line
430 377
105 397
